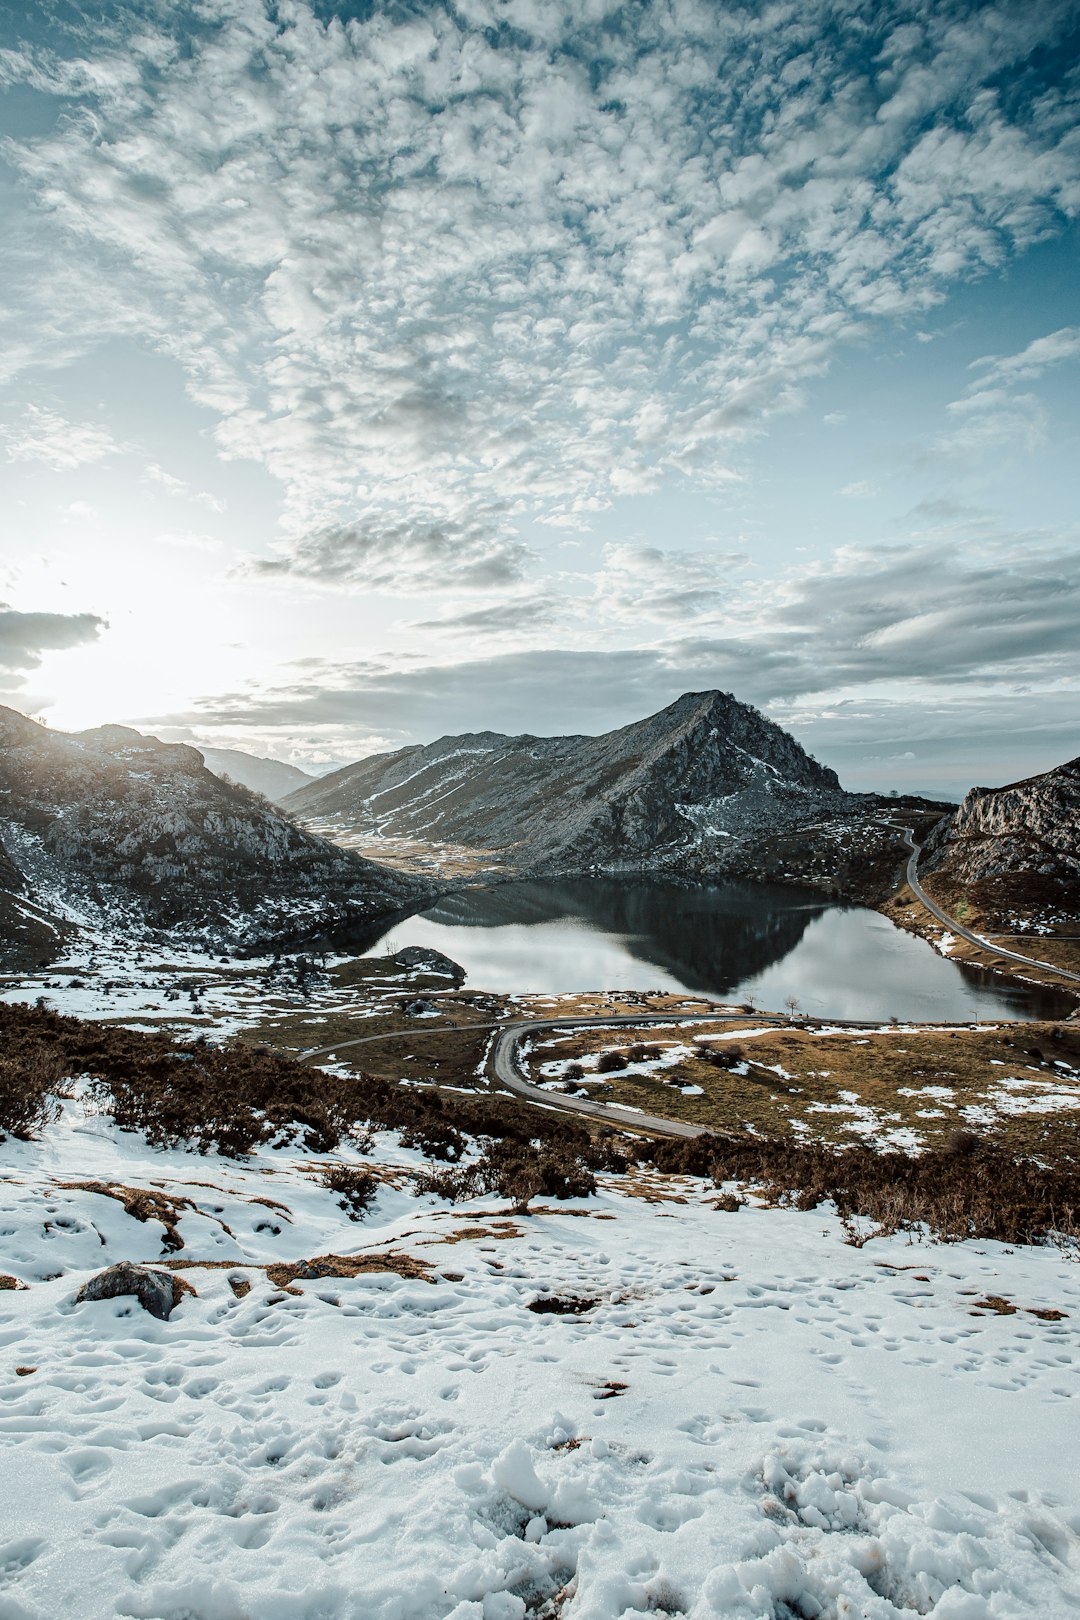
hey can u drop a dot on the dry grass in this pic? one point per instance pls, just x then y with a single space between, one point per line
142 1204
231 1099
285 1273
858 1086
997 908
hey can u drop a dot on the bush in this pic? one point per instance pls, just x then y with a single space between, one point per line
722 1057
355 1187
573 1071
610 1062
435 1139
28 1083
518 1172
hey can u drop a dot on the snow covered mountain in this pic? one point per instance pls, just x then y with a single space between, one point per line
108 828
707 788
705 770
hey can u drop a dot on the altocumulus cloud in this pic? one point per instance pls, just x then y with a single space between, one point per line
532 253
421 557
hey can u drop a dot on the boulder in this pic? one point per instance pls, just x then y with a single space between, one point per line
155 1291
423 959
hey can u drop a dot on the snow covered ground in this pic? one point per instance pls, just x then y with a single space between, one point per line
743 1417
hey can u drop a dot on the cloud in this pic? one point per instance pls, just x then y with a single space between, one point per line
425 260
182 490
992 415
25 636
909 627
45 436
1030 362
862 490
381 554
638 583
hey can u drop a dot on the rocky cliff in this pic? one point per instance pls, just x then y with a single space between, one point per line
690 788
1021 841
110 829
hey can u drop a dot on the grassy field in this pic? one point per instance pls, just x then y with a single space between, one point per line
1016 1085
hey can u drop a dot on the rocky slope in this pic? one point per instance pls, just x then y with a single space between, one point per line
1014 850
1028 827
267 776
705 787
109 829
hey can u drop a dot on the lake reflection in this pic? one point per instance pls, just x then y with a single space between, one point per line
728 939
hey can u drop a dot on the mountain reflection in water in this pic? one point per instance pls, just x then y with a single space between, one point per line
729 939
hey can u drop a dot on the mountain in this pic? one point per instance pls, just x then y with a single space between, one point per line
707 787
108 829
270 777
1014 847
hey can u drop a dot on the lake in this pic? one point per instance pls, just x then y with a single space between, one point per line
730 940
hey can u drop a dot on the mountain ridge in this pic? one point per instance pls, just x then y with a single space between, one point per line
1031 825
111 829
273 778
706 787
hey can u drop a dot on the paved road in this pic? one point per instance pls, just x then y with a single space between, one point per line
503 1065
505 1069
958 928
503 1061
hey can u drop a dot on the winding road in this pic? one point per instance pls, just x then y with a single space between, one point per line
503 1064
958 928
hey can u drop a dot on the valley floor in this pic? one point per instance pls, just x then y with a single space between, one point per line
726 1414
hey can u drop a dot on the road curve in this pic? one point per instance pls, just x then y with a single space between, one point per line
503 1065
958 928
504 1068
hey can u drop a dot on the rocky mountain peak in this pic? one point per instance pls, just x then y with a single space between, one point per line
1032 826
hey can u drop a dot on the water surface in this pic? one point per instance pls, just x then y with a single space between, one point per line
725 939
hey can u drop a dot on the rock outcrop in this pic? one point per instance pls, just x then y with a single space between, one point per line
158 1292
109 829
1030 827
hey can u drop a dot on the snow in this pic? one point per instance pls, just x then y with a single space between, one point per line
754 1421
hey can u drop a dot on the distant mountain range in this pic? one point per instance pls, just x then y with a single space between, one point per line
708 786
114 831
270 777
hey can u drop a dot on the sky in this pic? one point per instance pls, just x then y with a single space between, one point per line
375 371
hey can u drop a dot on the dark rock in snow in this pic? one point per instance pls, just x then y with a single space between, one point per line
155 1291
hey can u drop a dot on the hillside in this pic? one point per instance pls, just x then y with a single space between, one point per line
1027 828
707 787
108 829
269 777
365 1385
1011 856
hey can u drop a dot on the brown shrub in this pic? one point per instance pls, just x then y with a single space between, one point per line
610 1062
987 1193
356 1188
28 1084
